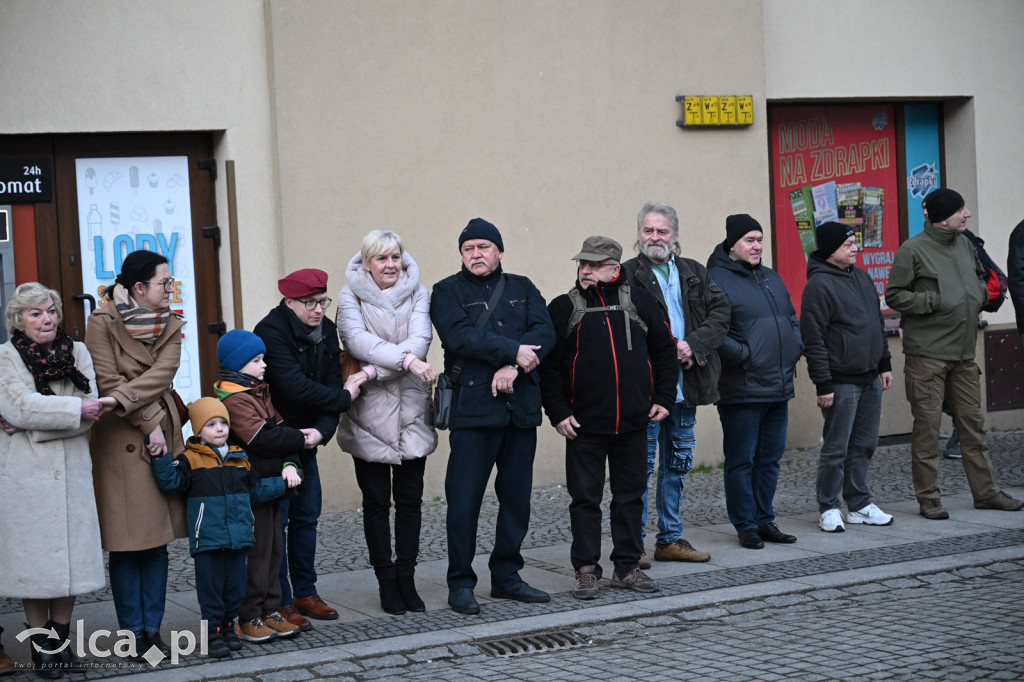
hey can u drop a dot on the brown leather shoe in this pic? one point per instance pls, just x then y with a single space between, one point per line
315 607
290 614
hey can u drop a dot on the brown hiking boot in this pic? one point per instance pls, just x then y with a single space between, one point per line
680 550
932 509
645 561
586 583
1000 501
634 580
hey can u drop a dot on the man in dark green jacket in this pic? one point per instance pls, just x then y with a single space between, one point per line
938 284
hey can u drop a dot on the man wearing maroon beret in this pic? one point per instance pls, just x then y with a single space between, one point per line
304 375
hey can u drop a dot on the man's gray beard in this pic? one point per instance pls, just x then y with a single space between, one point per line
656 252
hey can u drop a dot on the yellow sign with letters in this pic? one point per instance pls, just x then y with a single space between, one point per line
704 111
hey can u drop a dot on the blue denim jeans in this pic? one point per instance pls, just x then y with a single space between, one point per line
299 518
138 583
849 439
672 435
754 439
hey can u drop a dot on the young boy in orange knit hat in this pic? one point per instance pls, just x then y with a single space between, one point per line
221 487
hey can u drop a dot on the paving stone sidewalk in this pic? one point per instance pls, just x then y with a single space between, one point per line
341 545
965 624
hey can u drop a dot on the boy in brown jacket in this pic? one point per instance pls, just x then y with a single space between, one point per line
275 449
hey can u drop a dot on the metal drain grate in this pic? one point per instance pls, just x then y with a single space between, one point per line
529 644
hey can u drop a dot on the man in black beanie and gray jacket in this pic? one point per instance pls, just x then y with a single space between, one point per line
848 360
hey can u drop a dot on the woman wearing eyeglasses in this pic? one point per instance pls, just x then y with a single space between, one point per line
135 342
384 323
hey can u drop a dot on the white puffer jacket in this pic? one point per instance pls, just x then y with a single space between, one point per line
391 420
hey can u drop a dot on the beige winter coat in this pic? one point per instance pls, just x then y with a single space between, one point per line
134 514
389 422
50 535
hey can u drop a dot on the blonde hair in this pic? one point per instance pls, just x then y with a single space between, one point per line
377 242
29 295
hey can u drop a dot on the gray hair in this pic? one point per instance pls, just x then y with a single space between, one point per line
665 210
30 295
377 242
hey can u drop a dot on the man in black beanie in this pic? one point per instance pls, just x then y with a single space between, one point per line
848 360
938 283
494 328
759 356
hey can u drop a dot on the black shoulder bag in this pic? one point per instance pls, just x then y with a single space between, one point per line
444 391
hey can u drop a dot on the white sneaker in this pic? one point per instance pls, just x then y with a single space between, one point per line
871 515
832 521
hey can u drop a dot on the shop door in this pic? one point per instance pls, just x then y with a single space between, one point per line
117 193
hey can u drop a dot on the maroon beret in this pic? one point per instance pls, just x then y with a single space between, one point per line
304 282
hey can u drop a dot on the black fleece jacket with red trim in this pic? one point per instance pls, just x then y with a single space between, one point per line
591 375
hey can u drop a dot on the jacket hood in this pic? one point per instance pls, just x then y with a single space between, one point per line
225 388
720 258
817 264
196 444
362 284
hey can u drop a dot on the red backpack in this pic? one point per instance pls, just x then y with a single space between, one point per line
995 278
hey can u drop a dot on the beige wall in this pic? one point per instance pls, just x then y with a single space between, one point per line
111 66
555 120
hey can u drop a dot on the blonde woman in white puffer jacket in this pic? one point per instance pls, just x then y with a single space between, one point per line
384 322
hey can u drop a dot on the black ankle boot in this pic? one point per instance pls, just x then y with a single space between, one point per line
407 588
390 599
47 665
153 639
69 661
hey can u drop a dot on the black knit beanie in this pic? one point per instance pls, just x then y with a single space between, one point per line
942 203
478 228
831 236
736 226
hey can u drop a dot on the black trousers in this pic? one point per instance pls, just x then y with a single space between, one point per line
474 453
585 457
221 577
379 483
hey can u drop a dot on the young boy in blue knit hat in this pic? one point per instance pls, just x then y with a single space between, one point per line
220 485
276 450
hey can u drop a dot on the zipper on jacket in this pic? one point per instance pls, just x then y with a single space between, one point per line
615 359
972 327
199 521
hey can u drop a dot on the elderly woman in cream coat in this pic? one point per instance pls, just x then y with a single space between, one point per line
51 535
384 322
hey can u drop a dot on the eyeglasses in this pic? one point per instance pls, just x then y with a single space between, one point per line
324 304
165 284
595 266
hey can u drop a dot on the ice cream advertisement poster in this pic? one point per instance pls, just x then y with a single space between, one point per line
835 163
131 203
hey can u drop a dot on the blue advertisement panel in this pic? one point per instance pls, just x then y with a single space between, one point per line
921 133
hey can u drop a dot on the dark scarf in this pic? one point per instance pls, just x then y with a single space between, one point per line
244 380
57 364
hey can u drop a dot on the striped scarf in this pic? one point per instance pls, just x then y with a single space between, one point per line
143 324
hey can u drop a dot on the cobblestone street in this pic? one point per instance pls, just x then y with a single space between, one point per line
966 624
